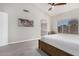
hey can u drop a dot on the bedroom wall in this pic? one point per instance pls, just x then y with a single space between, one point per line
70 14
15 11
1 7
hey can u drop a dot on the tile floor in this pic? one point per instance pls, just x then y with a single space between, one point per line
29 48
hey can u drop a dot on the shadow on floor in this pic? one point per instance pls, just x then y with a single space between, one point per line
41 52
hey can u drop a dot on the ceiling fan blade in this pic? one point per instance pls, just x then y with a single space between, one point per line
60 4
54 4
50 9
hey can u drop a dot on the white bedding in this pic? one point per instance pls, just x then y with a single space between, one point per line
66 42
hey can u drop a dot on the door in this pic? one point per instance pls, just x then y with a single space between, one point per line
43 27
3 29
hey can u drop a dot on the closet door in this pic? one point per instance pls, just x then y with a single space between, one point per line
44 27
3 29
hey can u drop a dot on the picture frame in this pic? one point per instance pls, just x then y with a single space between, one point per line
68 26
25 22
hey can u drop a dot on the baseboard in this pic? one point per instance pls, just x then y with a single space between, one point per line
1 44
24 41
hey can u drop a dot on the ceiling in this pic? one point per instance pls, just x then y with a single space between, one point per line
57 9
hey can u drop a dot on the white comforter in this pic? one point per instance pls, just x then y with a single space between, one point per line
65 42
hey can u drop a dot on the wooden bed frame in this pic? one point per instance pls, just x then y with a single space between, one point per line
51 50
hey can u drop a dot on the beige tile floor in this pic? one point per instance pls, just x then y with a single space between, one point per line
29 48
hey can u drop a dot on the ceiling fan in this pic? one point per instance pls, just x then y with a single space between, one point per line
55 4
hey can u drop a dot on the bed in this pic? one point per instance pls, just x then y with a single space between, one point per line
60 44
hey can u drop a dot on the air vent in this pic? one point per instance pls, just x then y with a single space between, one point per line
25 10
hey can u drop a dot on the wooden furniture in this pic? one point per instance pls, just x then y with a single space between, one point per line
51 50
51 32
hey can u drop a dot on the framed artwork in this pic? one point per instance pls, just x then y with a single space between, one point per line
25 22
68 26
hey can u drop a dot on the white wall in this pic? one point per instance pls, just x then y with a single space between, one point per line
1 7
56 18
15 11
